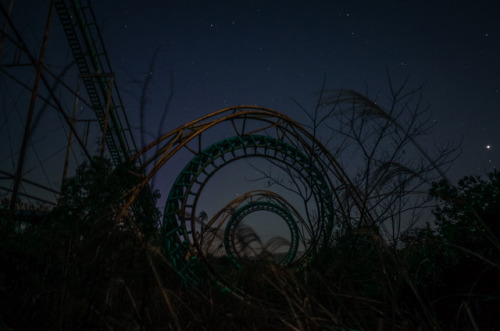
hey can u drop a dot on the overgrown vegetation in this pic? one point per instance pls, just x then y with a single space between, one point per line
86 265
81 269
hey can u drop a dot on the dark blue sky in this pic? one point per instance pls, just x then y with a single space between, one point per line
224 53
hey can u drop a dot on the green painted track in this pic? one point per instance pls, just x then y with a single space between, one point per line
180 208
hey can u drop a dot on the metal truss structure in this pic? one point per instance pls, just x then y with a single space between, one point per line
184 194
252 132
230 243
76 96
214 141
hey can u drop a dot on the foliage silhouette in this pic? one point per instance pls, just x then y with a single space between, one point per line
85 267
97 192
468 226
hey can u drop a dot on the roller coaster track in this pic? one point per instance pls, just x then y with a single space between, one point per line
94 73
250 132
85 40
253 132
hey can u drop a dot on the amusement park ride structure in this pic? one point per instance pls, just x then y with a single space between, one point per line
251 132
93 71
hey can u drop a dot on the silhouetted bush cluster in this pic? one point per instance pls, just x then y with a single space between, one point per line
84 268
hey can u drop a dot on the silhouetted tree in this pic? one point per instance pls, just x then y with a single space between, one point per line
456 262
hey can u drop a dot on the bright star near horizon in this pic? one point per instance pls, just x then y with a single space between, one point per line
488 146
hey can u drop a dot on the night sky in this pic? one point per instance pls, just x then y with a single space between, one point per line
215 54
223 53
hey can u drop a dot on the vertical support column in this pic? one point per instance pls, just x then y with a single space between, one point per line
70 137
5 28
34 94
106 115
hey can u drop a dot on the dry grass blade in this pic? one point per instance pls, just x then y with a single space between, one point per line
164 292
471 316
389 170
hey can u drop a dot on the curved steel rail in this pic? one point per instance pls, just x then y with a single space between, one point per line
180 210
230 242
257 132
